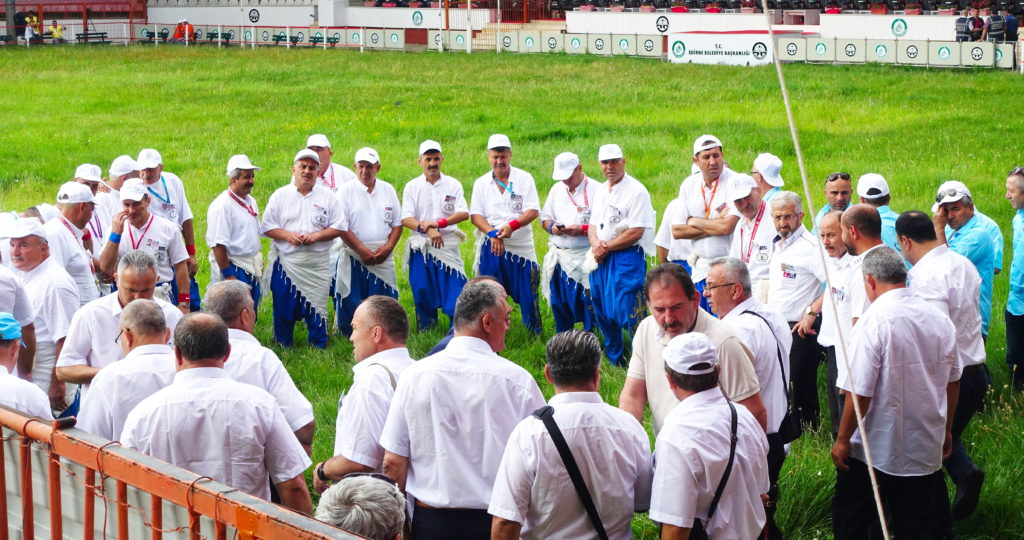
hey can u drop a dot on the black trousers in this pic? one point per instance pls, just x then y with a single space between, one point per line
448 524
804 359
916 507
974 383
832 397
776 457
1015 348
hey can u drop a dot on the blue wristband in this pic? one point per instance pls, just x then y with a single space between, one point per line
114 237
227 272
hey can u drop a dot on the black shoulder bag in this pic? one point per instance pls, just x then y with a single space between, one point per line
698 532
790 428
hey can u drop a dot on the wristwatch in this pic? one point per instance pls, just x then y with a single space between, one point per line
810 311
320 473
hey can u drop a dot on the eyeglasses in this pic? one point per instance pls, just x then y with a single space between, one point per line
118 338
712 287
376 475
837 176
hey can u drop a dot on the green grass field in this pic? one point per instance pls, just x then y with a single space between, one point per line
198 106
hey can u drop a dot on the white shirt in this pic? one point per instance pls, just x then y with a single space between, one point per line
252 363
13 298
167 199
451 416
370 216
901 357
234 225
950 282
752 242
858 302
500 207
627 202
336 176
766 344
99 227
119 387
678 249
294 212
569 209
54 297
690 457
795 275
111 202
431 202
67 250
613 453
364 408
158 237
23 396
839 270
214 426
701 201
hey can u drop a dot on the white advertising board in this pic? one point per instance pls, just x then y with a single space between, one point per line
747 49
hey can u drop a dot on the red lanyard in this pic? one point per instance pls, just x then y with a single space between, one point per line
708 203
753 233
71 230
242 203
324 177
586 201
131 235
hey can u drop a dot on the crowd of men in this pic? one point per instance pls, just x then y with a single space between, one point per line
998 27
101 318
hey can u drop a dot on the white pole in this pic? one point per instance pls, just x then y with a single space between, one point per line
469 26
126 36
220 37
497 38
362 39
287 37
325 37
156 37
440 26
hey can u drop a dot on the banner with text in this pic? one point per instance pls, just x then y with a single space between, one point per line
732 48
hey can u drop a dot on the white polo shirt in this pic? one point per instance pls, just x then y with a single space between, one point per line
23 396
364 408
498 207
158 237
766 344
950 282
570 208
858 302
701 201
678 249
752 242
431 202
294 212
795 275
119 387
167 199
234 222
252 363
13 298
626 202
690 458
839 270
54 296
469 386
370 216
99 227
214 426
901 357
111 201
336 176
613 453
67 250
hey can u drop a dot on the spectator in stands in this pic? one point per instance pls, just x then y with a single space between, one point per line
57 32
233 229
179 32
31 21
14 300
838 190
767 172
369 505
66 238
18 394
330 175
1014 315
241 433
754 237
873 190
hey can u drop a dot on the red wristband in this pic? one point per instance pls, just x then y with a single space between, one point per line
586 229
184 298
87 235
514 224
191 250
442 223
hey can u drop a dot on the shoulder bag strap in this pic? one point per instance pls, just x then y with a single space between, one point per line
728 466
778 353
394 383
547 415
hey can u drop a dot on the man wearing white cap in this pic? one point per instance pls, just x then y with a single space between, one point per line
504 203
121 169
15 393
65 235
874 190
302 218
566 218
706 216
432 204
169 202
54 297
711 459
767 171
754 237
99 225
371 224
621 236
330 175
233 229
150 233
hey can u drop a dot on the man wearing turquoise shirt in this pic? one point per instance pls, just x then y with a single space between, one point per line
874 190
838 191
1015 300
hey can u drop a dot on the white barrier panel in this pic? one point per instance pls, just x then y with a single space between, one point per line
1004 55
978 54
374 38
551 42
624 44
458 39
509 41
354 37
599 44
912 51
575 43
731 49
944 53
793 49
394 38
338 35
650 46
881 50
821 50
529 42
850 50
437 38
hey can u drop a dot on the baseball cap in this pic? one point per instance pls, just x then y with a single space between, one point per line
306 153
73 193
872 185
26 227
368 155
705 142
498 141
690 354
318 139
89 172
429 145
609 151
149 158
123 165
565 164
47 211
742 185
9 327
950 191
241 161
769 166
132 190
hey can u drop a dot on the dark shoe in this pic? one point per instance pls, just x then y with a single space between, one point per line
968 491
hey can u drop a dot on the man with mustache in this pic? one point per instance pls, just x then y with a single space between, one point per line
233 229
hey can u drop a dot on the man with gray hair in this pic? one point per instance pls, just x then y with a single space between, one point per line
233 229
370 505
904 376
147 367
451 472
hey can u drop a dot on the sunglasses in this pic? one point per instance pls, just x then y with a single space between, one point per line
948 193
837 176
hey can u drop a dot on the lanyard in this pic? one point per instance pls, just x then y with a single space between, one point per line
586 201
167 199
753 233
508 188
324 178
96 226
131 235
242 203
707 202
71 230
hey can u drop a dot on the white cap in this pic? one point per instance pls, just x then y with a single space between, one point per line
123 165
742 185
565 164
690 354
705 142
26 227
609 151
73 193
240 161
306 153
950 191
498 141
47 211
132 190
872 185
149 158
429 145
769 166
89 172
694 169
318 139
368 155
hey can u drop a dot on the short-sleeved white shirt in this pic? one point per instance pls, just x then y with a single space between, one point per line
795 275
21 395
252 363
67 250
752 242
569 209
858 302
498 207
99 227
364 408
54 297
336 176
214 426
613 453
703 202
431 202
627 202
370 216
766 344
690 458
469 386
950 282
13 298
678 249
119 387
111 201
158 237
839 271
233 225
169 202
294 212
901 357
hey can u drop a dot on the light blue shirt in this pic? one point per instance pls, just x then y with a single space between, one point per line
817 218
1015 300
770 193
889 227
975 242
997 237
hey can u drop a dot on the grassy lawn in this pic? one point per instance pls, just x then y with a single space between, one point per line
198 106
